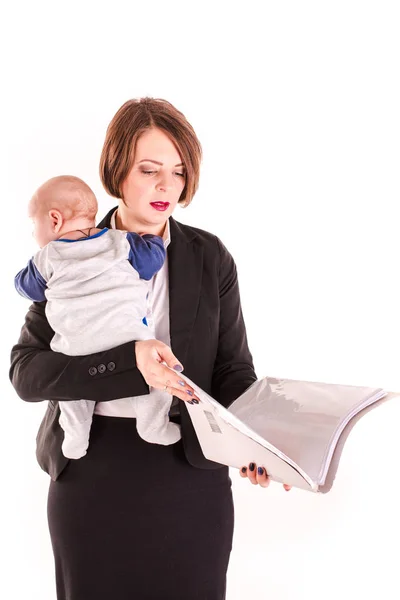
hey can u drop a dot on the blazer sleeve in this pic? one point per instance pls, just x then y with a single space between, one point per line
233 369
37 373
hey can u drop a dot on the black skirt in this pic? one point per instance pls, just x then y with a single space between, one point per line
135 521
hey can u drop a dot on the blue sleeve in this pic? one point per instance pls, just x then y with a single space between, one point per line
147 254
30 284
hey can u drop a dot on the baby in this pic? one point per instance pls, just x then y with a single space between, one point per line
94 281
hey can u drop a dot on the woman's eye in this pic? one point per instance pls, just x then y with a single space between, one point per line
145 172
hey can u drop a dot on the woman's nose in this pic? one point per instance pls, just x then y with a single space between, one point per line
164 184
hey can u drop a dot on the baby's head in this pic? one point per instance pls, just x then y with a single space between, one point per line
61 204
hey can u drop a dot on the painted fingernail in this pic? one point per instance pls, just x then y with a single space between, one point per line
189 392
178 368
195 401
190 401
181 382
244 469
252 466
260 470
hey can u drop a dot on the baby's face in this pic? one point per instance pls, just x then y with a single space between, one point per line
42 232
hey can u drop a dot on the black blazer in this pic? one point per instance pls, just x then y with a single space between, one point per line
207 333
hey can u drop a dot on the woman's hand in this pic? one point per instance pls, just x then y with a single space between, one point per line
258 476
150 356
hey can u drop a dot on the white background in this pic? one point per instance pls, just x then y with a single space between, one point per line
297 108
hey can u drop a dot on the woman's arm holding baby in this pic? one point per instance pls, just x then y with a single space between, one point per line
37 373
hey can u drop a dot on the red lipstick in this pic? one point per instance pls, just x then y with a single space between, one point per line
161 206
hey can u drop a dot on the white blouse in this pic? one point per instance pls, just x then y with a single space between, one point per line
157 319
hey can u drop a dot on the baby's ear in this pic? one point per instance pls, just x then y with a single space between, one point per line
56 219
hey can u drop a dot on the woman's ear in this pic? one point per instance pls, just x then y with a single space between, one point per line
56 220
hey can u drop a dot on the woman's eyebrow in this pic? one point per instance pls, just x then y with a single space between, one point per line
157 163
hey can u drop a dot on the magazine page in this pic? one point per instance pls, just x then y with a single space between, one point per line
225 439
337 454
303 419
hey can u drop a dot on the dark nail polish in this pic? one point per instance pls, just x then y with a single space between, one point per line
181 382
195 401
252 466
178 368
189 392
190 401
244 469
260 470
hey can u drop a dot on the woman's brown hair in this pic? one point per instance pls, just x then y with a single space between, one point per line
131 120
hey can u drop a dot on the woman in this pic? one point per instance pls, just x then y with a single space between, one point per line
132 519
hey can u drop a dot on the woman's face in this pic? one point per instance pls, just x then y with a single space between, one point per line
156 180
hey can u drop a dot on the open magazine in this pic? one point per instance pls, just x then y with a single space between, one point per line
295 429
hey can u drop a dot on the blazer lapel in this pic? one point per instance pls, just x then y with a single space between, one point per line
106 221
185 266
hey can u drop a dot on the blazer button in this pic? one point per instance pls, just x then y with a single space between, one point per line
111 366
101 368
92 371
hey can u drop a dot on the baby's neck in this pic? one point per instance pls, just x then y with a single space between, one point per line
79 228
